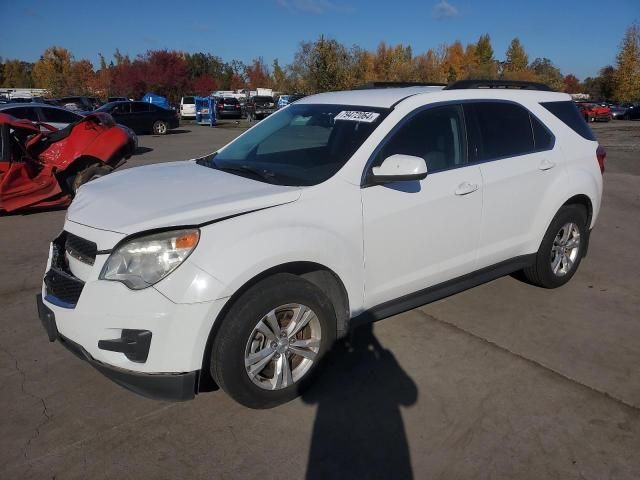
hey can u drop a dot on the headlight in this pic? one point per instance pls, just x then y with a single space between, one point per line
143 261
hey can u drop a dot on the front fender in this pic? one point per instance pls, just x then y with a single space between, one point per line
313 229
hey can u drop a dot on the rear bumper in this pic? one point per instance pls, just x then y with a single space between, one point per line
158 386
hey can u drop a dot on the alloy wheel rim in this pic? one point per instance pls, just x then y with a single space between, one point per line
161 128
565 249
283 346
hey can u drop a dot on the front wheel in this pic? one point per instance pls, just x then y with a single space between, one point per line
271 340
561 250
160 127
90 173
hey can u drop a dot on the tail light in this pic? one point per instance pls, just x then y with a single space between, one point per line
601 155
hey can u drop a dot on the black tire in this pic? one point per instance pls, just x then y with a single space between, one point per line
541 272
90 173
160 127
231 340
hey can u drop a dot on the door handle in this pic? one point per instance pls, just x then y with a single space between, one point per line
466 188
546 165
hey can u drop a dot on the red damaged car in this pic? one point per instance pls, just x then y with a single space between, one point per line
41 166
592 112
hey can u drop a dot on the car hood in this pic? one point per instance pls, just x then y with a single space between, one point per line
171 194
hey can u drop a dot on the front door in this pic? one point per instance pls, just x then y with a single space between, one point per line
421 233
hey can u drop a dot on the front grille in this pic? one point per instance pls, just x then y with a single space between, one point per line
61 286
80 249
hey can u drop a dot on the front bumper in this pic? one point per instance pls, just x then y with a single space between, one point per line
159 386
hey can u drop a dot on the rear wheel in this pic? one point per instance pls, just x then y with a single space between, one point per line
561 250
160 127
271 340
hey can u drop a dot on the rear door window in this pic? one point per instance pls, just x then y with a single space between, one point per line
570 115
141 107
29 113
501 130
55 115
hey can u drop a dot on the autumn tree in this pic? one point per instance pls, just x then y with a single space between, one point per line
393 63
429 67
52 70
257 74
571 84
454 62
627 74
547 73
204 85
80 80
321 66
17 74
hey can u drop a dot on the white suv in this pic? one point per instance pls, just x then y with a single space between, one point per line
244 266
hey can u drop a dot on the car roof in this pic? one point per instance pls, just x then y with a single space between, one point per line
389 97
5 106
375 97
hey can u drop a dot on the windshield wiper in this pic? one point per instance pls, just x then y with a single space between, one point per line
262 174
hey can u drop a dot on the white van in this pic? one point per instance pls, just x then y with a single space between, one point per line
187 107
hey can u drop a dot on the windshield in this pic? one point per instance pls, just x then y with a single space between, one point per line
302 144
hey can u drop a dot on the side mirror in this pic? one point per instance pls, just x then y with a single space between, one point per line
399 168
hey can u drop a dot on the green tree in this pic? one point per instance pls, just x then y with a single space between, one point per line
547 73
627 75
279 75
486 68
516 64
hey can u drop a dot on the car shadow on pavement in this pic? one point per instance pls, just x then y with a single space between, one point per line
142 150
358 430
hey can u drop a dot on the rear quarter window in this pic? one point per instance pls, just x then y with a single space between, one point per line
568 113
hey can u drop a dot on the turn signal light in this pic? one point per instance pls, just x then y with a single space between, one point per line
187 241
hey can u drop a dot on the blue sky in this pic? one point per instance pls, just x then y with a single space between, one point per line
580 36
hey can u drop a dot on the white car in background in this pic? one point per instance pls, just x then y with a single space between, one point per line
244 266
187 107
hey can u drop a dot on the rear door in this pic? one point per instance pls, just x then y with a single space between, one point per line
515 153
121 113
142 116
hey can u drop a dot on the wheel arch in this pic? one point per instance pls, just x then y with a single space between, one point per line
585 201
327 281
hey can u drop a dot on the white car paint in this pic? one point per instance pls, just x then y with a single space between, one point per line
382 242
187 108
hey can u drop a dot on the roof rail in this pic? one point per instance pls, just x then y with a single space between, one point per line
370 85
514 84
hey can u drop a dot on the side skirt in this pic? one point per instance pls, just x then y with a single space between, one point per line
443 290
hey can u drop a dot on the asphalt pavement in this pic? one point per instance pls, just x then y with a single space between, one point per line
502 381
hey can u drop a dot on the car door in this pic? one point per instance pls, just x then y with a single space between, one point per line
421 233
121 113
143 116
517 168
